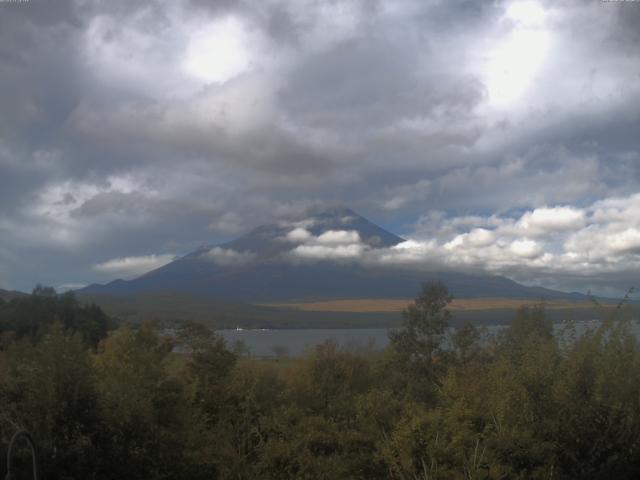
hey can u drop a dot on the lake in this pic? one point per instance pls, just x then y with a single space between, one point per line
264 342
294 342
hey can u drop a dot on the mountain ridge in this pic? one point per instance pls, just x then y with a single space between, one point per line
8 295
260 267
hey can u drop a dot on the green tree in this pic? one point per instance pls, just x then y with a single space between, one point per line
318 433
48 389
465 343
530 321
208 367
417 357
148 422
30 316
596 423
253 394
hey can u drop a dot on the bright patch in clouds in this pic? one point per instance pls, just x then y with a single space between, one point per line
218 52
131 267
517 57
526 12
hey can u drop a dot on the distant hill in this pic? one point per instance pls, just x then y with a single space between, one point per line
7 295
258 268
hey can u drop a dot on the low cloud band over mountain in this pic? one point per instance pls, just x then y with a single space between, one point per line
335 254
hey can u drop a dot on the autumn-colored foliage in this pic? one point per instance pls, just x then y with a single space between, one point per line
438 403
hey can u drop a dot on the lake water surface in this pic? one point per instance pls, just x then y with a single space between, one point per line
295 342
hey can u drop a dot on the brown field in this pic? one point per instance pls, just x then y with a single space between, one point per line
395 305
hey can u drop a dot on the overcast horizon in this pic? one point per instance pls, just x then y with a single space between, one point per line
495 136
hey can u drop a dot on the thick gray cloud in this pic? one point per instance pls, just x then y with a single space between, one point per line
134 131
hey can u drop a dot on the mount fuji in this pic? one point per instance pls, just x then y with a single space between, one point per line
311 259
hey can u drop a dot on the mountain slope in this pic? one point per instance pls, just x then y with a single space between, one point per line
259 267
7 295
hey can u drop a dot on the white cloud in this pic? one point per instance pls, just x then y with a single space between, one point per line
481 237
410 253
227 257
131 267
613 235
627 241
338 237
526 248
543 221
299 235
541 121
478 237
557 246
70 214
332 244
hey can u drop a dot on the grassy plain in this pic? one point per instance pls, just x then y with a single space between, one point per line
169 308
396 305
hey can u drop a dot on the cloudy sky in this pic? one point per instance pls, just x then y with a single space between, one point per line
496 135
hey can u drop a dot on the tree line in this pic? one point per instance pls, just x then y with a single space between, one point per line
437 403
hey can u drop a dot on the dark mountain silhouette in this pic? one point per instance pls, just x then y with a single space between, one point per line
258 268
7 295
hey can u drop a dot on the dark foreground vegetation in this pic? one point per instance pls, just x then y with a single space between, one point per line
525 405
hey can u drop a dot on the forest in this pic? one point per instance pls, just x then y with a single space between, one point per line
109 401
